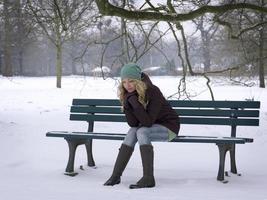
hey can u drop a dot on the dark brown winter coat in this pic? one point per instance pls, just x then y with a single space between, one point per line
158 110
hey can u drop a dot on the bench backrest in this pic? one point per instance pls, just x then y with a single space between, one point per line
232 113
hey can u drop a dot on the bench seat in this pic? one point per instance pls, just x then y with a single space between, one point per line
119 136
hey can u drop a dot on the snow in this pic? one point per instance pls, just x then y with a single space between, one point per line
151 68
105 69
32 165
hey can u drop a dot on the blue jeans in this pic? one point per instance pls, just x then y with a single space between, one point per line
145 135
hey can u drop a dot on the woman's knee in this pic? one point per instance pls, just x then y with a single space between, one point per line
142 135
130 139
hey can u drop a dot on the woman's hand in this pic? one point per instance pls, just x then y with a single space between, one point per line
133 100
129 94
130 100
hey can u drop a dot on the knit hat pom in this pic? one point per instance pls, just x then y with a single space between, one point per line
131 71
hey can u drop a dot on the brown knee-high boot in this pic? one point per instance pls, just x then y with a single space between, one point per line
147 155
123 158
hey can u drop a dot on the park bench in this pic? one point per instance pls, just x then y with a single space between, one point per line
196 112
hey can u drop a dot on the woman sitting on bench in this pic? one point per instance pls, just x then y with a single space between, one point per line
150 117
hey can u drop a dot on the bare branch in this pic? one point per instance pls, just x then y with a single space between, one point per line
106 8
60 15
236 36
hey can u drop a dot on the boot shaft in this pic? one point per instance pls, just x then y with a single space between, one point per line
147 155
125 153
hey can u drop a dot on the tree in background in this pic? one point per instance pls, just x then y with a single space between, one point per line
7 8
175 12
129 42
207 30
58 20
14 32
229 37
255 42
248 31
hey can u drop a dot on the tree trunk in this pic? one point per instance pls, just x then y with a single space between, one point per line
20 36
261 56
73 66
124 37
59 64
205 47
58 44
206 55
1 33
124 57
73 43
7 71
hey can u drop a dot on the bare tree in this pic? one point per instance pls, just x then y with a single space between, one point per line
16 29
262 52
207 30
131 42
158 13
58 20
7 6
250 29
178 11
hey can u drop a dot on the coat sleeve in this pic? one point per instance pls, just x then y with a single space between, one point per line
130 117
149 116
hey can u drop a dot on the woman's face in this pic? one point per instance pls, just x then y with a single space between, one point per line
128 84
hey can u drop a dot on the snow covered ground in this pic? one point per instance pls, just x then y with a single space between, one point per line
32 165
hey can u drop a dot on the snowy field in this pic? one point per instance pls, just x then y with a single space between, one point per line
32 165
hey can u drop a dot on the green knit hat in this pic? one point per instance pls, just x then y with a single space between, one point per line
131 70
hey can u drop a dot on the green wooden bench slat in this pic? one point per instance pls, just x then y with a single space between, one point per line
86 135
217 112
115 136
209 140
215 104
100 102
175 103
183 120
210 137
103 118
181 112
219 121
88 109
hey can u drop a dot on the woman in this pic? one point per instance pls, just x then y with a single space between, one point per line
150 117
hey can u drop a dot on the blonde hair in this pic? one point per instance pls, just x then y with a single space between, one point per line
140 87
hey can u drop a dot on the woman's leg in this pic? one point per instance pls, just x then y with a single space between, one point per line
157 132
131 138
145 135
123 157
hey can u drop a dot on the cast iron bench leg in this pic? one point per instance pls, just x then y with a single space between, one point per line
222 152
72 150
233 162
90 158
